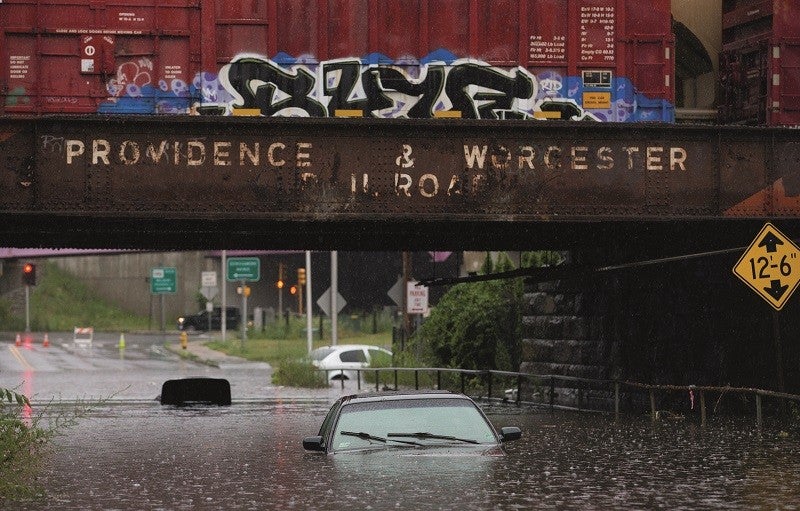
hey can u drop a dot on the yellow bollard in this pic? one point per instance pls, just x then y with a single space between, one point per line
122 341
184 340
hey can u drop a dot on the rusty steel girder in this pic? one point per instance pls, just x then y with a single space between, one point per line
153 181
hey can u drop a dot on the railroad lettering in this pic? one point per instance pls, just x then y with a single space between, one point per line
193 153
427 185
578 157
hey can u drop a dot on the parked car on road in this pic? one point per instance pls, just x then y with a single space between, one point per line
199 322
342 360
450 423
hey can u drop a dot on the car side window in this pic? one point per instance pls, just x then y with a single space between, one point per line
353 356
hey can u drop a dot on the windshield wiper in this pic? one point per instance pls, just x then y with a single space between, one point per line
367 436
434 437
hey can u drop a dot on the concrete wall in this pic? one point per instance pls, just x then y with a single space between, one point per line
676 323
124 279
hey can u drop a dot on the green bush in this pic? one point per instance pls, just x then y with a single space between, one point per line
25 440
478 325
298 373
475 326
23 444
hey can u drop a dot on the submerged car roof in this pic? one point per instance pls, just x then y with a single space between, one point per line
350 346
398 395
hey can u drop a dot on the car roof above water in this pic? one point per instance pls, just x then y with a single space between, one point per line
399 395
348 347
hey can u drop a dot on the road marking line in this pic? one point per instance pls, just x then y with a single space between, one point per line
20 358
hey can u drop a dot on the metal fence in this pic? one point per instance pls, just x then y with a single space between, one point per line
544 386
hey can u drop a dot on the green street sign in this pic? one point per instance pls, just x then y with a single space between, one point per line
244 268
163 280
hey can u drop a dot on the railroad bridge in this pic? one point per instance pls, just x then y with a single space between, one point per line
653 216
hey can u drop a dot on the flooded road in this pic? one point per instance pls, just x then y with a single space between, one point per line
139 455
129 452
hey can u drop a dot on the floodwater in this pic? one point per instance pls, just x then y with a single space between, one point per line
140 455
129 452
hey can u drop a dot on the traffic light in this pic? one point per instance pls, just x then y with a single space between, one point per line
29 274
279 284
293 290
301 276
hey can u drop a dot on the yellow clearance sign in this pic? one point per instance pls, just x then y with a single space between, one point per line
770 266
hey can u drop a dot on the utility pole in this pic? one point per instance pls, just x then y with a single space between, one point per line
406 316
224 311
309 318
27 308
334 298
280 290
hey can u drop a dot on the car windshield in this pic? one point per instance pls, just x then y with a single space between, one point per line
320 353
458 419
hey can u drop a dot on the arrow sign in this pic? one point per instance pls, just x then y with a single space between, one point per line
244 268
163 280
770 266
776 290
771 242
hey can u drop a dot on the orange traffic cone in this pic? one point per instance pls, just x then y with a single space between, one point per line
19 340
46 341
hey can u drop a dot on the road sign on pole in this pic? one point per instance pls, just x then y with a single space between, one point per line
208 279
770 266
163 281
244 268
417 298
324 302
208 284
396 292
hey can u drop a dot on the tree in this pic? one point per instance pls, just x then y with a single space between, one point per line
476 325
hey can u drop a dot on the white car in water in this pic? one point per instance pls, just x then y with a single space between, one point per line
341 361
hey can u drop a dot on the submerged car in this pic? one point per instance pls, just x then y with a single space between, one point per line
431 422
341 361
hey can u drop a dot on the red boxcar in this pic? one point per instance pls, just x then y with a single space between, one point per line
760 62
607 60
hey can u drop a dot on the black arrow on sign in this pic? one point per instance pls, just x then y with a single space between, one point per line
771 242
775 289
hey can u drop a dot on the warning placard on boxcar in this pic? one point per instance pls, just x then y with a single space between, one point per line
770 266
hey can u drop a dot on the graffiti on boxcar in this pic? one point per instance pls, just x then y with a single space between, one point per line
132 90
131 77
473 89
373 86
257 83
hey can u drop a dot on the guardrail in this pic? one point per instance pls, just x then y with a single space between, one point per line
581 386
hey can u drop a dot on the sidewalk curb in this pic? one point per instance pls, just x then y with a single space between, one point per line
187 354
